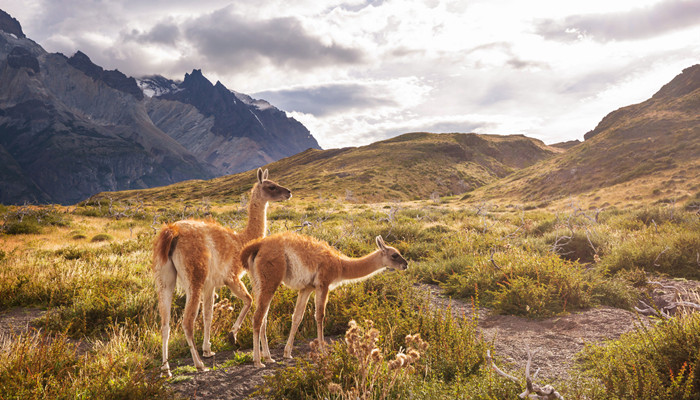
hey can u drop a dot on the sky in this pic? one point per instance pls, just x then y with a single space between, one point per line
355 72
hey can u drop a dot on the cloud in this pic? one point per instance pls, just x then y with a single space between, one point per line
327 99
230 40
164 32
349 97
640 23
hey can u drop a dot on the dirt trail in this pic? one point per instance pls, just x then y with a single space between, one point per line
18 320
553 341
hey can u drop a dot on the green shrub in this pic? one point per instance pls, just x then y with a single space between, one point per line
102 237
660 362
669 249
21 220
525 283
27 227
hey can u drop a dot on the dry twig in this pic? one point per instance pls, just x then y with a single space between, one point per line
532 390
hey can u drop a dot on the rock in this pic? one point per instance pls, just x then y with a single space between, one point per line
10 25
20 57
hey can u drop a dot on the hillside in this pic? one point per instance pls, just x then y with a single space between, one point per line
648 150
407 167
70 128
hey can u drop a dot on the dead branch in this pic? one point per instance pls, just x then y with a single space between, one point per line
661 285
532 390
652 311
657 257
487 226
493 262
522 223
590 243
303 225
666 311
498 370
559 243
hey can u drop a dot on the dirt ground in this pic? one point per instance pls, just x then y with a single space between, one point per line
553 341
18 320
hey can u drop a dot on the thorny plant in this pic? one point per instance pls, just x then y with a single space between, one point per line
374 377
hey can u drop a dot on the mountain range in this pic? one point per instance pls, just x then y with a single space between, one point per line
70 129
647 152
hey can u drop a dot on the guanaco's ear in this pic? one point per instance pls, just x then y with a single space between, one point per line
260 175
380 242
265 174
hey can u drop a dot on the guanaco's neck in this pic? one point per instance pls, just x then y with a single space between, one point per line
357 268
257 215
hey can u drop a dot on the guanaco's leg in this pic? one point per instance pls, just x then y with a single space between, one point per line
165 284
265 347
190 315
298 315
239 290
207 310
321 300
259 320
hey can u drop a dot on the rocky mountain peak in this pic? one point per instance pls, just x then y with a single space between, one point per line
10 25
113 78
157 85
196 78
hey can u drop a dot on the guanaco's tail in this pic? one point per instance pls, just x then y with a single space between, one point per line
165 245
249 252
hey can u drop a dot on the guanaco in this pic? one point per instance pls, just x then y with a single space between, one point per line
204 255
305 264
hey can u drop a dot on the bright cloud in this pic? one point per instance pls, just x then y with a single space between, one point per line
358 71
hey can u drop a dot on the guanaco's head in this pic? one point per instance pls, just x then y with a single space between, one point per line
269 190
391 257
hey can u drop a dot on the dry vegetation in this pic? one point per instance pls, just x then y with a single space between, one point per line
408 167
100 333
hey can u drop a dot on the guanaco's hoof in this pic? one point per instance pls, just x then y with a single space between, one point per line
233 340
165 371
208 354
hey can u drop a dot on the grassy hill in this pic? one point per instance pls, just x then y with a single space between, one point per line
407 167
649 150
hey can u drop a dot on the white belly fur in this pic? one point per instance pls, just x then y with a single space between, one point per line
298 276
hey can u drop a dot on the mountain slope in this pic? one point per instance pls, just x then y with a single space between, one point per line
651 148
410 166
70 129
62 129
228 130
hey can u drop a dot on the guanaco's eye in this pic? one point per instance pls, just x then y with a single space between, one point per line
395 256
273 187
